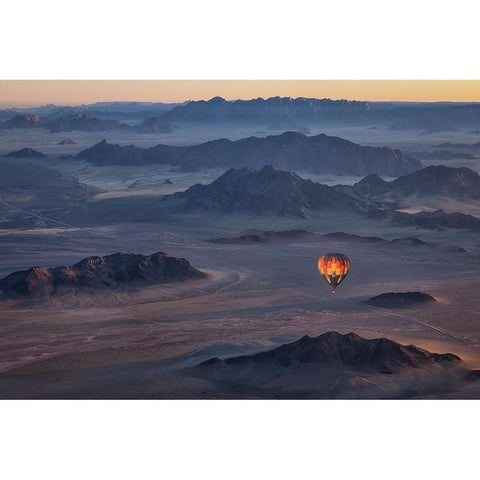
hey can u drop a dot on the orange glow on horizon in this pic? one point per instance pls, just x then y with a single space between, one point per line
75 92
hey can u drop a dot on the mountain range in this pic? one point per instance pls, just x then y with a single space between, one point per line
290 151
271 111
287 112
302 236
271 191
115 271
85 123
281 113
109 110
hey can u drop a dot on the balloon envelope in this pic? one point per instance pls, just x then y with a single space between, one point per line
334 267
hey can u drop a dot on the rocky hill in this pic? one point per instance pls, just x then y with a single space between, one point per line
104 153
380 354
268 191
290 151
332 365
115 271
401 299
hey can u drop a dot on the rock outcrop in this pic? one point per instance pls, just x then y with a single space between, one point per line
115 271
400 299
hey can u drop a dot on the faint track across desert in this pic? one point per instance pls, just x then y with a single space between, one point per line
41 217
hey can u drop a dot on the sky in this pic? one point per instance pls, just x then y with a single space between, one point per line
75 92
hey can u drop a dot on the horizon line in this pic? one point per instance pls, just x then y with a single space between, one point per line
23 104
32 93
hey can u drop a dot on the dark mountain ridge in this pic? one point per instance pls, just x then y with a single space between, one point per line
269 111
263 192
289 151
293 112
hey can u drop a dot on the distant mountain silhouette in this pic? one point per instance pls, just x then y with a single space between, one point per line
116 154
257 236
468 146
269 191
105 110
7 114
98 273
289 151
26 153
433 220
433 117
407 241
282 113
270 111
22 121
434 181
381 355
153 125
67 141
302 236
293 112
441 155
84 123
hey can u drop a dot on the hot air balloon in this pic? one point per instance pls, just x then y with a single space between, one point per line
334 267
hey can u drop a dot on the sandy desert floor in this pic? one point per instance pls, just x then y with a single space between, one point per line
255 298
